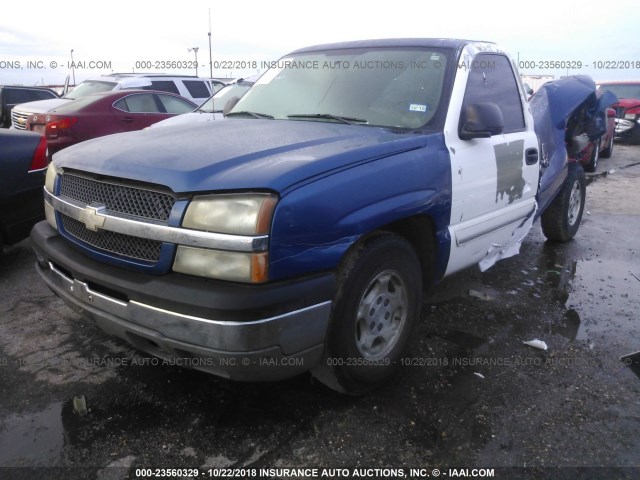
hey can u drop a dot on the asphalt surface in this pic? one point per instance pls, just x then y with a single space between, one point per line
470 395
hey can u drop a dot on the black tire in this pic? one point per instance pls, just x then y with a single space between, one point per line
561 220
376 308
595 156
606 153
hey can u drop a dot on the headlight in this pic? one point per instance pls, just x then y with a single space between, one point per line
234 214
49 182
248 214
232 266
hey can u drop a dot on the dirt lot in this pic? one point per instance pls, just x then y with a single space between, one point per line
470 395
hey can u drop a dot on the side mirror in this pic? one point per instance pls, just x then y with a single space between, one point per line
481 120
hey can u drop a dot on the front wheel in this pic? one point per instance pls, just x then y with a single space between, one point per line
561 220
376 308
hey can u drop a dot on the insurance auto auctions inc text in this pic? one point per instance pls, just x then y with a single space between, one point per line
369 473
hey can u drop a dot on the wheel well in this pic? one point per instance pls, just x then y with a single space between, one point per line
420 233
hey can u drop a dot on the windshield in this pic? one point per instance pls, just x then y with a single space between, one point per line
623 90
216 103
391 87
88 87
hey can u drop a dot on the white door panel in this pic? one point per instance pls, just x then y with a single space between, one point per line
493 187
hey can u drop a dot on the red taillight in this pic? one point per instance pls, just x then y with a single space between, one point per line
39 160
58 126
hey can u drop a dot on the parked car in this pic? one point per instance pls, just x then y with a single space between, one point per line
105 113
627 109
23 160
216 85
213 108
301 233
588 152
190 87
12 95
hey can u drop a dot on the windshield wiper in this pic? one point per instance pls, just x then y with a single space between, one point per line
347 120
252 114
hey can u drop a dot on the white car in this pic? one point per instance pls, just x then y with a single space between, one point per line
213 109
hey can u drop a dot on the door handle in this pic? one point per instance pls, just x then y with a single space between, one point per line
531 156
127 119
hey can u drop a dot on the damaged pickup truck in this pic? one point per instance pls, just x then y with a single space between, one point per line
301 233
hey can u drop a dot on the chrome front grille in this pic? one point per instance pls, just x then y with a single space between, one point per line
118 243
122 199
19 119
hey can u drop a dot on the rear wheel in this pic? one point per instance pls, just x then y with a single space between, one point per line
376 308
561 220
595 156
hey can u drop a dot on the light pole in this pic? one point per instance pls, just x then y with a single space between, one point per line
210 57
195 50
73 69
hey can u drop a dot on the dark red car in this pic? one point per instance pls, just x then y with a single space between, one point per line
105 113
590 152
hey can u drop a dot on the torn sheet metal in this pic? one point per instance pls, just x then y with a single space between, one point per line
511 247
562 109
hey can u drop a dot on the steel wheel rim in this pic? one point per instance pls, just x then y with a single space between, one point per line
381 316
575 201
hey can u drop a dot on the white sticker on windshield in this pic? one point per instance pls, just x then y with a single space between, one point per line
416 107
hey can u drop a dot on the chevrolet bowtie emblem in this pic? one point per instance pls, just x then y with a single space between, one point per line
92 218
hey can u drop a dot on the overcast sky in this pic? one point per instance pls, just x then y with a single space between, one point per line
119 33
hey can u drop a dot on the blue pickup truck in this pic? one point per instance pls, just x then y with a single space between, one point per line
301 233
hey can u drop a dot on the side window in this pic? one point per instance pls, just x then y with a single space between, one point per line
15 96
121 105
43 95
197 88
175 105
138 103
165 86
491 80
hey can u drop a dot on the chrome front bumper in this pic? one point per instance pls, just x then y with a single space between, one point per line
266 349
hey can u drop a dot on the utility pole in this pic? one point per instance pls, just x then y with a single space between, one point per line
210 57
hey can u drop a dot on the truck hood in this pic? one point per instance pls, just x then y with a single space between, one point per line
236 153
